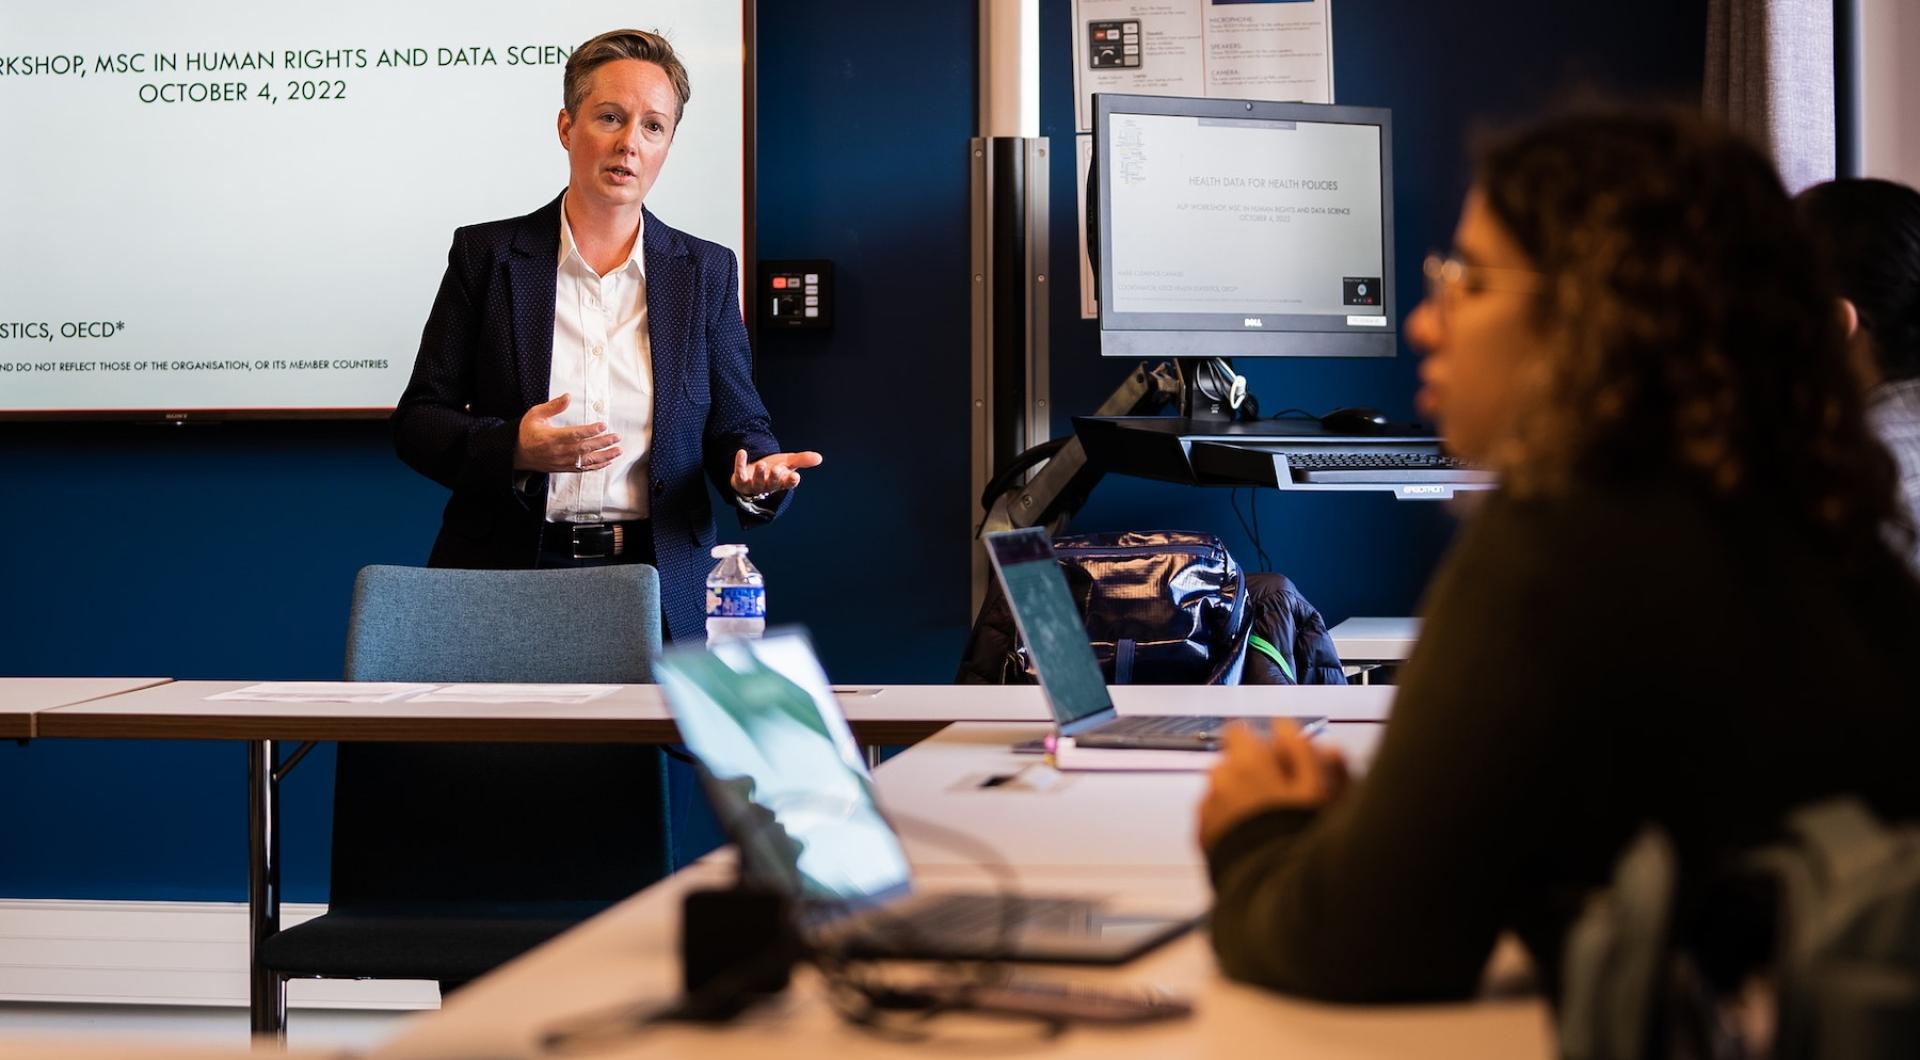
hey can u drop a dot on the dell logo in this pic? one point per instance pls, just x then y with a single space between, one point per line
1252 322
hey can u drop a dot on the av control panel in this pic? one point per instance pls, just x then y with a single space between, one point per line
796 294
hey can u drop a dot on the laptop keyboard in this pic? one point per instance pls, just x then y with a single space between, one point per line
1163 725
981 915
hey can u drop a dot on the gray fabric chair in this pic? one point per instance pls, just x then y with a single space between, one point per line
450 859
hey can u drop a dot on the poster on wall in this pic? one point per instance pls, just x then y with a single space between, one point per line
1278 50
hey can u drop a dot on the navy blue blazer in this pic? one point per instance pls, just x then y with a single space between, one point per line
486 356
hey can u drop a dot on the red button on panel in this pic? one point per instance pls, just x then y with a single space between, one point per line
779 283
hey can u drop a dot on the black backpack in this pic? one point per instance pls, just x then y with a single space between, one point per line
1805 950
1163 607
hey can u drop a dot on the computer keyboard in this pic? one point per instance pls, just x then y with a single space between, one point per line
1382 467
1319 461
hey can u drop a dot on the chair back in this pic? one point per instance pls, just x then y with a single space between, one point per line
473 827
594 624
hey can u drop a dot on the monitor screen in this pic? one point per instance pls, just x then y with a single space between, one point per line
262 233
1050 624
1239 228
783 771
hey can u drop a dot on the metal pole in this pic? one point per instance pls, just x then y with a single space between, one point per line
1011 370
1010 173
266 994
1849 158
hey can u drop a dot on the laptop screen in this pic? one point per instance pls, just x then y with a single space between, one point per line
783 771
1049 623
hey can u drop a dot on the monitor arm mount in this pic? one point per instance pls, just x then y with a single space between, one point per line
1053 495
1212 394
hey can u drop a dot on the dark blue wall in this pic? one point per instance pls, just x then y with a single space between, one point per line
1447 71
229 551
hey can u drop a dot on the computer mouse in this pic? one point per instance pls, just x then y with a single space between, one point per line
1355 420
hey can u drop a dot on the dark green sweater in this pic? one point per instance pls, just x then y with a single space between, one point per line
1586 665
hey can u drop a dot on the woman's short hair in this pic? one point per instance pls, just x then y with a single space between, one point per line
624 44
1870 230
1693 335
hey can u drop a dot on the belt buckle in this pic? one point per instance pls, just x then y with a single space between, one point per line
600 548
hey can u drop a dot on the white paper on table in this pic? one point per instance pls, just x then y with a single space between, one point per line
1070 758
321 692
510 693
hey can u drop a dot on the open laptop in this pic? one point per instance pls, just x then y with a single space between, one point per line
1070 676
788 784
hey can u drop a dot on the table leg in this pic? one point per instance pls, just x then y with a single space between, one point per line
266 994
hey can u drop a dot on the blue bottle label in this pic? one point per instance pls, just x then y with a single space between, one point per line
737 601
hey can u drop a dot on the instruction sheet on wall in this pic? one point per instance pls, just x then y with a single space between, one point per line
1230 49
1279 50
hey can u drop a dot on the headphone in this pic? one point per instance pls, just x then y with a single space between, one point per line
1216 380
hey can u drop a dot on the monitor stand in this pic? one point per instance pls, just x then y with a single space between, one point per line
1203 412
1211 416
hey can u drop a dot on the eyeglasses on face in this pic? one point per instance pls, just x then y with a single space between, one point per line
1448 277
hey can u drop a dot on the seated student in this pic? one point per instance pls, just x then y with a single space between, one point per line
1681 608
1871 231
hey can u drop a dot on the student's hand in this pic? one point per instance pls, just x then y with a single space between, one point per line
1255 774
770 474
543 447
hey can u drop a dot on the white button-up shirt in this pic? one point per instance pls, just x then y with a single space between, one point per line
602 356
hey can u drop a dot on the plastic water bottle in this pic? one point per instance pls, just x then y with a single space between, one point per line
736 597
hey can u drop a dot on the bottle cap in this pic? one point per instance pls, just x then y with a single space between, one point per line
723 551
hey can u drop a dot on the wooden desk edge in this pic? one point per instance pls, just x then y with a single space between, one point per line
56 724
23 725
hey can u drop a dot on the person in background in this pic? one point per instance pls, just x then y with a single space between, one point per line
584 372
1684 607
1870 230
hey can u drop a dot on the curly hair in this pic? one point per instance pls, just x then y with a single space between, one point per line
1870 230
1693 332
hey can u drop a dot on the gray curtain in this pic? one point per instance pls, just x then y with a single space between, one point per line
1770 75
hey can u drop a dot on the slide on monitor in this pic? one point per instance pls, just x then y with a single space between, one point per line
1234 215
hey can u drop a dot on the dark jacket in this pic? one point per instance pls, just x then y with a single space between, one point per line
1585 666
1288 642
486 357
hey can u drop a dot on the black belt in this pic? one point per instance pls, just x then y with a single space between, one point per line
594 540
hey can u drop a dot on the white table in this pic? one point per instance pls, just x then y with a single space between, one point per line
1049 822
632 714
635 713
630 953
1364 643
118 1048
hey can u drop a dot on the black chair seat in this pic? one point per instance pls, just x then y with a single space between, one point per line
452 945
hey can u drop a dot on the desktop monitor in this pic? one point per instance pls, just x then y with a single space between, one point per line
1239 228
